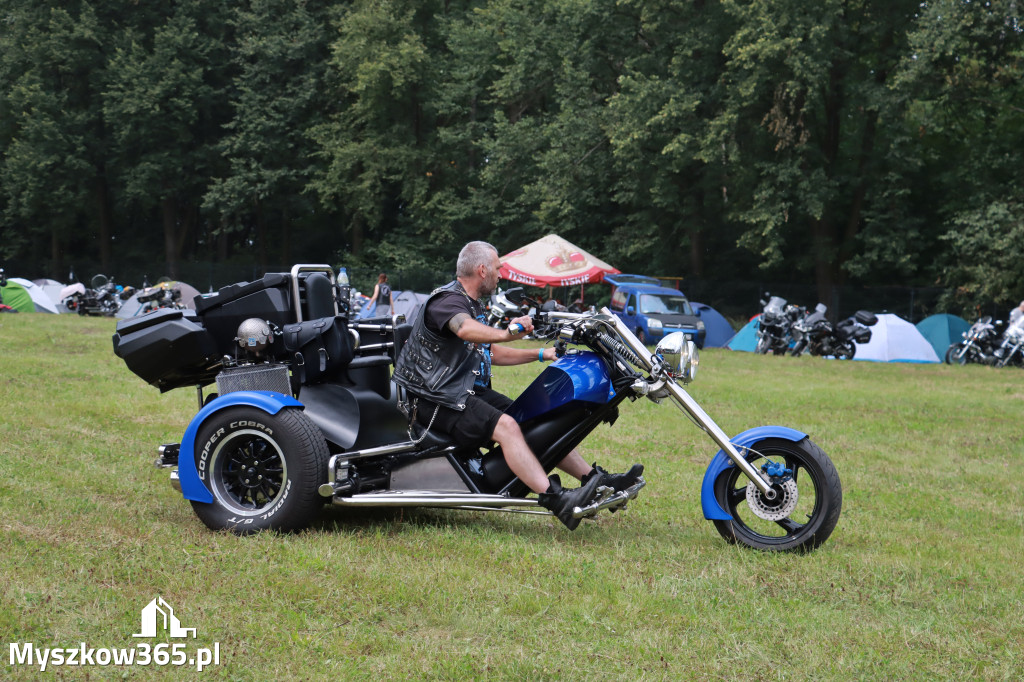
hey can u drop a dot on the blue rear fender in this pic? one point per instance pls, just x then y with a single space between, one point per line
192 487
721 463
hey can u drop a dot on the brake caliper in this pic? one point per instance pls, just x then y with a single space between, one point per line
777 471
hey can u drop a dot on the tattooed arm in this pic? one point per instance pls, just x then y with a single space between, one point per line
468 329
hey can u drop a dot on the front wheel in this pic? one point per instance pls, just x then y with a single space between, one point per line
956 354
263 470
804 512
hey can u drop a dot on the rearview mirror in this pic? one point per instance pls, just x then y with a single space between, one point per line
516 295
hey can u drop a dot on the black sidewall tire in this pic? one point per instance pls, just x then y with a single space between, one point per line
953 351
293 437
829 499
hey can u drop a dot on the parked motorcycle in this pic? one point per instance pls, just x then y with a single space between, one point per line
104 298
774 329
505 306
162 295
979 344
815 334
304 413
1011 349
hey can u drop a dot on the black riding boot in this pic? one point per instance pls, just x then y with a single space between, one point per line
617 482
560 501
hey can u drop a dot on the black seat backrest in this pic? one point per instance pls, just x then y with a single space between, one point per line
319 296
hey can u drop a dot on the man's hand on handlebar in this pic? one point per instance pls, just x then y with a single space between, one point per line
520 327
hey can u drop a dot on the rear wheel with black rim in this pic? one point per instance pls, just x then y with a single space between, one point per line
845 350
263 470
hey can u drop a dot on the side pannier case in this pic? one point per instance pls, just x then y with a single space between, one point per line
167 348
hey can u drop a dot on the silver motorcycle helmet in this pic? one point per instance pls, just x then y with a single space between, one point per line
254 335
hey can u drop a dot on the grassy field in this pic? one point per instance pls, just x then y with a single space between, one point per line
921 579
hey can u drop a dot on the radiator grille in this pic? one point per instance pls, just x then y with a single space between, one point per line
254 378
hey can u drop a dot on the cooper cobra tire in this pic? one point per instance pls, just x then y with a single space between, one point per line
764 343
815 506
263 470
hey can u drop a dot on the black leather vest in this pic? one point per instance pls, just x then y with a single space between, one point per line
437 368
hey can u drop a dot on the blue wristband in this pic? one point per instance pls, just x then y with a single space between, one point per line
540 355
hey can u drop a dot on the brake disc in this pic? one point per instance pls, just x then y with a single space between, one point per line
777 509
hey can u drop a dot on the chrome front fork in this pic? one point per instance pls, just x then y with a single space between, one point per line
685 402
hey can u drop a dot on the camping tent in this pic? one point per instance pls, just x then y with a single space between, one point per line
718 330
552 261
746 338
406 303
52 288
942 331
27 297
893 339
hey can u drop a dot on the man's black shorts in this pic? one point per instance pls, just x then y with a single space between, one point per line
471 426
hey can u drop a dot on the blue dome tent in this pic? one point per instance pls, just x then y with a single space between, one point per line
943 330
746 338
717 328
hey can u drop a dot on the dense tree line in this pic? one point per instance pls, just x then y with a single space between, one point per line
836 142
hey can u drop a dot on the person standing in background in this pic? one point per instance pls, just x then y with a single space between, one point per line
382 294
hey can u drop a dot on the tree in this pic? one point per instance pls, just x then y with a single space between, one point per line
52 167
164 105
961 78
279 56
375 146
670 181
806 125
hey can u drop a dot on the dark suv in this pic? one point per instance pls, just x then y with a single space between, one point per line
652 310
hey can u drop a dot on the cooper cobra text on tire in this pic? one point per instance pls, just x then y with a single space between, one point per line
263 470
804 512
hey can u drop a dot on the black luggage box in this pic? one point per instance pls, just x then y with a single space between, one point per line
167 348
866 317
268 299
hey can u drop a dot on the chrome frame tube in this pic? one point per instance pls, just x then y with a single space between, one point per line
345 458
296 297
687 404
426 498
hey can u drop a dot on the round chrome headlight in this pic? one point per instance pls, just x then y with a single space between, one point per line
680 355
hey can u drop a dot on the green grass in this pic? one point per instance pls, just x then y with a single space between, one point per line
921 579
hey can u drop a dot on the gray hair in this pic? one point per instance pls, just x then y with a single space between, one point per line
472 256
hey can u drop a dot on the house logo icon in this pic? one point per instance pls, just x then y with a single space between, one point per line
158 614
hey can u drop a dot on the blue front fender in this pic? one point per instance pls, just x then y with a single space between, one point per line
192 487
721 462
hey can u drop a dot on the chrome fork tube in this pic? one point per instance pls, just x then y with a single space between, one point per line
685 402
